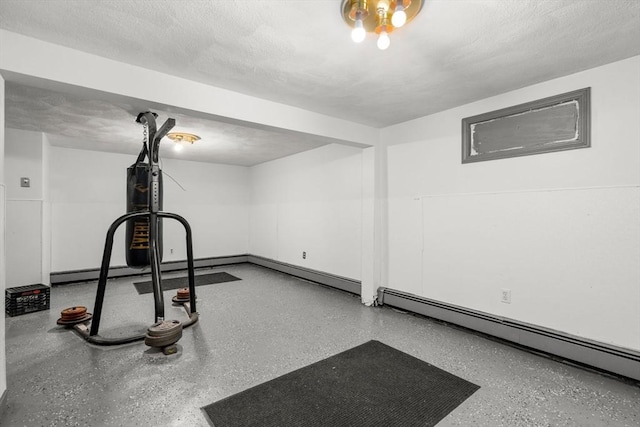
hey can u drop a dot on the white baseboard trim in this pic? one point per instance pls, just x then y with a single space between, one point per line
327 279
345 284
619 361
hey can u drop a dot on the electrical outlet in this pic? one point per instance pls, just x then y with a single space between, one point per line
506 296
171 250
25 182
304 255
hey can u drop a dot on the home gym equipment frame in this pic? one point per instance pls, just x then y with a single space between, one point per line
154 214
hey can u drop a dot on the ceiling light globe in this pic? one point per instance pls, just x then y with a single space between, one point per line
177 147
358 33
399 17
383 40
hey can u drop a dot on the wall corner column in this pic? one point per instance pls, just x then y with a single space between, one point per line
374 222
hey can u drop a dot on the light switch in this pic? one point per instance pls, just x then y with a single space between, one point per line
25 182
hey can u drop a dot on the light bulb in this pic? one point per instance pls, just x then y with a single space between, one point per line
358 33
383 40
399 17
177 147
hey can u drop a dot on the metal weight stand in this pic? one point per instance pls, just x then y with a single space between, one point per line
153 214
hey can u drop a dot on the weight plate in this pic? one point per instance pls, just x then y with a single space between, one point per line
164 328
165 341
66 322
183 293
73 313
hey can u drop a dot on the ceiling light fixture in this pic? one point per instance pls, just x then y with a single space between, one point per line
181 138
389 15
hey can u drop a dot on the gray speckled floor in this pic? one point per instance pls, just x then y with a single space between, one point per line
264 326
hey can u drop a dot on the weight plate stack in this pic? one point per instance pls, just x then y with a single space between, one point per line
163 334
73 315
181 296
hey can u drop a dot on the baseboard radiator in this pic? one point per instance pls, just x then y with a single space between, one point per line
616 360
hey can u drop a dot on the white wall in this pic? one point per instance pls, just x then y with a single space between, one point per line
216 204
24 209
561 230
88 192
310 202
87 195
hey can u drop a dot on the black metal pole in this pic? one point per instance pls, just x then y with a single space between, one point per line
192 284
154 136
104 268
156 276
154 250
190 263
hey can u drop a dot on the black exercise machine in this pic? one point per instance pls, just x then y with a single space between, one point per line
144 248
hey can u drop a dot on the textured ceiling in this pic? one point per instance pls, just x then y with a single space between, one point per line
88 121
299 52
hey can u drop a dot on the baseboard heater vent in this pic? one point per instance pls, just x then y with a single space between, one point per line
617 360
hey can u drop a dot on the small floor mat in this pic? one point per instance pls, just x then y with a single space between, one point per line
183 282
369 385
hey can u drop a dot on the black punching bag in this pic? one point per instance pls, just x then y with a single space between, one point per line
137 233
